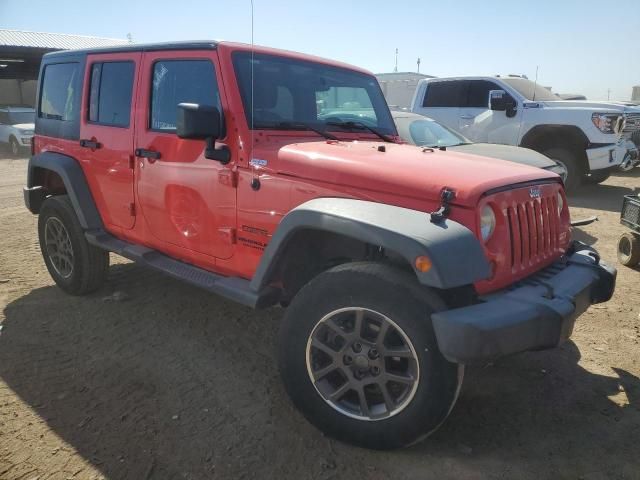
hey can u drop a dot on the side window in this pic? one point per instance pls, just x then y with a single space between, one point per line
110 93
180 81
444 94
58 94
478 93
4 118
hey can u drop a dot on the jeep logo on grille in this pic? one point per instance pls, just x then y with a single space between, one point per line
534 192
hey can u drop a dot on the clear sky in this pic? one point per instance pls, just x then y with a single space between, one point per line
580 46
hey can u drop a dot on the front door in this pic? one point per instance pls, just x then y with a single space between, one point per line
480 124
186 200
106 132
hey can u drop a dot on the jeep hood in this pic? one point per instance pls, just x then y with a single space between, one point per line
404 170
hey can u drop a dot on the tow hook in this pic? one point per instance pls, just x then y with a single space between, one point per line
446 197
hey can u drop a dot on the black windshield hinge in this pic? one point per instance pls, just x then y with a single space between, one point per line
446 197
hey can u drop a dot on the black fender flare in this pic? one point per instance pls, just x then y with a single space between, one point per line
542 130
456 254
74 181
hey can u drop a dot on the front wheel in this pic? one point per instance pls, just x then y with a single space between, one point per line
14 147
596 177
359 358
569 161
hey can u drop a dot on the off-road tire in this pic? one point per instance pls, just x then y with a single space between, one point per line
629 249
395 294
89 263
575 171
597 177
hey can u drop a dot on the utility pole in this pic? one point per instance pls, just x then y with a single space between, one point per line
396 67
418 62
130 38
608 94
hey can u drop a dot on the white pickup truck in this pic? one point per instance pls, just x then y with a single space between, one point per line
589 138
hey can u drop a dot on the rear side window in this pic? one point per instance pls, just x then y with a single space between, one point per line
110 93
444 94
181 81
58 97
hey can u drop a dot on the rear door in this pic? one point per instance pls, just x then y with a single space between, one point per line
480 124
106 133
442 101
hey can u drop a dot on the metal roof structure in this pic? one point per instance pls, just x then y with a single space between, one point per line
54 41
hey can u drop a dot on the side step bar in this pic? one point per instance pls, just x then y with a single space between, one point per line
233 288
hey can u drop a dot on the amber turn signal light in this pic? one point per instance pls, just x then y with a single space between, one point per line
423 263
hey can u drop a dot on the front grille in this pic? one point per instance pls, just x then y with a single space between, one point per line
632 127
534 230
630 215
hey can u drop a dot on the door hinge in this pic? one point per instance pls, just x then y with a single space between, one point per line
228 177
132 161
227 235
132 209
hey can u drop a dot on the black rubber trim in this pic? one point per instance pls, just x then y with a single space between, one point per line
74 181
537 313
456 254
138 47
233 288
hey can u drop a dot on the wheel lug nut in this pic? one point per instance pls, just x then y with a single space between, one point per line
348 359
373 353
357 347
375 370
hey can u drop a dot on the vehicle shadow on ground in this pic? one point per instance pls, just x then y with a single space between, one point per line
605 197
174 382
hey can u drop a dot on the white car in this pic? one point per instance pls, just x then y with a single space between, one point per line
589 138
16 128
426 132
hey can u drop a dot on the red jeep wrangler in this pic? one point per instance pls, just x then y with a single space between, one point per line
271 177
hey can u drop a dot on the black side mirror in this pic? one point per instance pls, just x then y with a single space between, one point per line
198 121
202 122
498 100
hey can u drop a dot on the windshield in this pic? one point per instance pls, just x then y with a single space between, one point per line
294 92
527 89
16 118
427 133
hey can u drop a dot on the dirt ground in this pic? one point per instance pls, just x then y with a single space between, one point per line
166 381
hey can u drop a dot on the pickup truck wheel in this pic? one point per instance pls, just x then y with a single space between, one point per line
76 266
14 147
629 249
568 160
359 358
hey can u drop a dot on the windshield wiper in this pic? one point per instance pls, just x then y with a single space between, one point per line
306 126
361 126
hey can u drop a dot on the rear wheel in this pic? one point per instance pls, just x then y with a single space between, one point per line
570 162
76 266
359 358
629 249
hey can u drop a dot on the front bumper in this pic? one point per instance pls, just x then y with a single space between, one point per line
612 155
536 313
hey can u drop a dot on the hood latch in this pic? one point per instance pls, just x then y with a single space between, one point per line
446 197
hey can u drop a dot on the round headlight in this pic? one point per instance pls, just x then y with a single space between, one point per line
487 222
560 203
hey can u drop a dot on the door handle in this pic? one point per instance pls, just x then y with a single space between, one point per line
152 155
467 117
92 144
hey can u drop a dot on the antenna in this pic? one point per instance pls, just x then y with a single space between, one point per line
252 81
535 85
418 62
